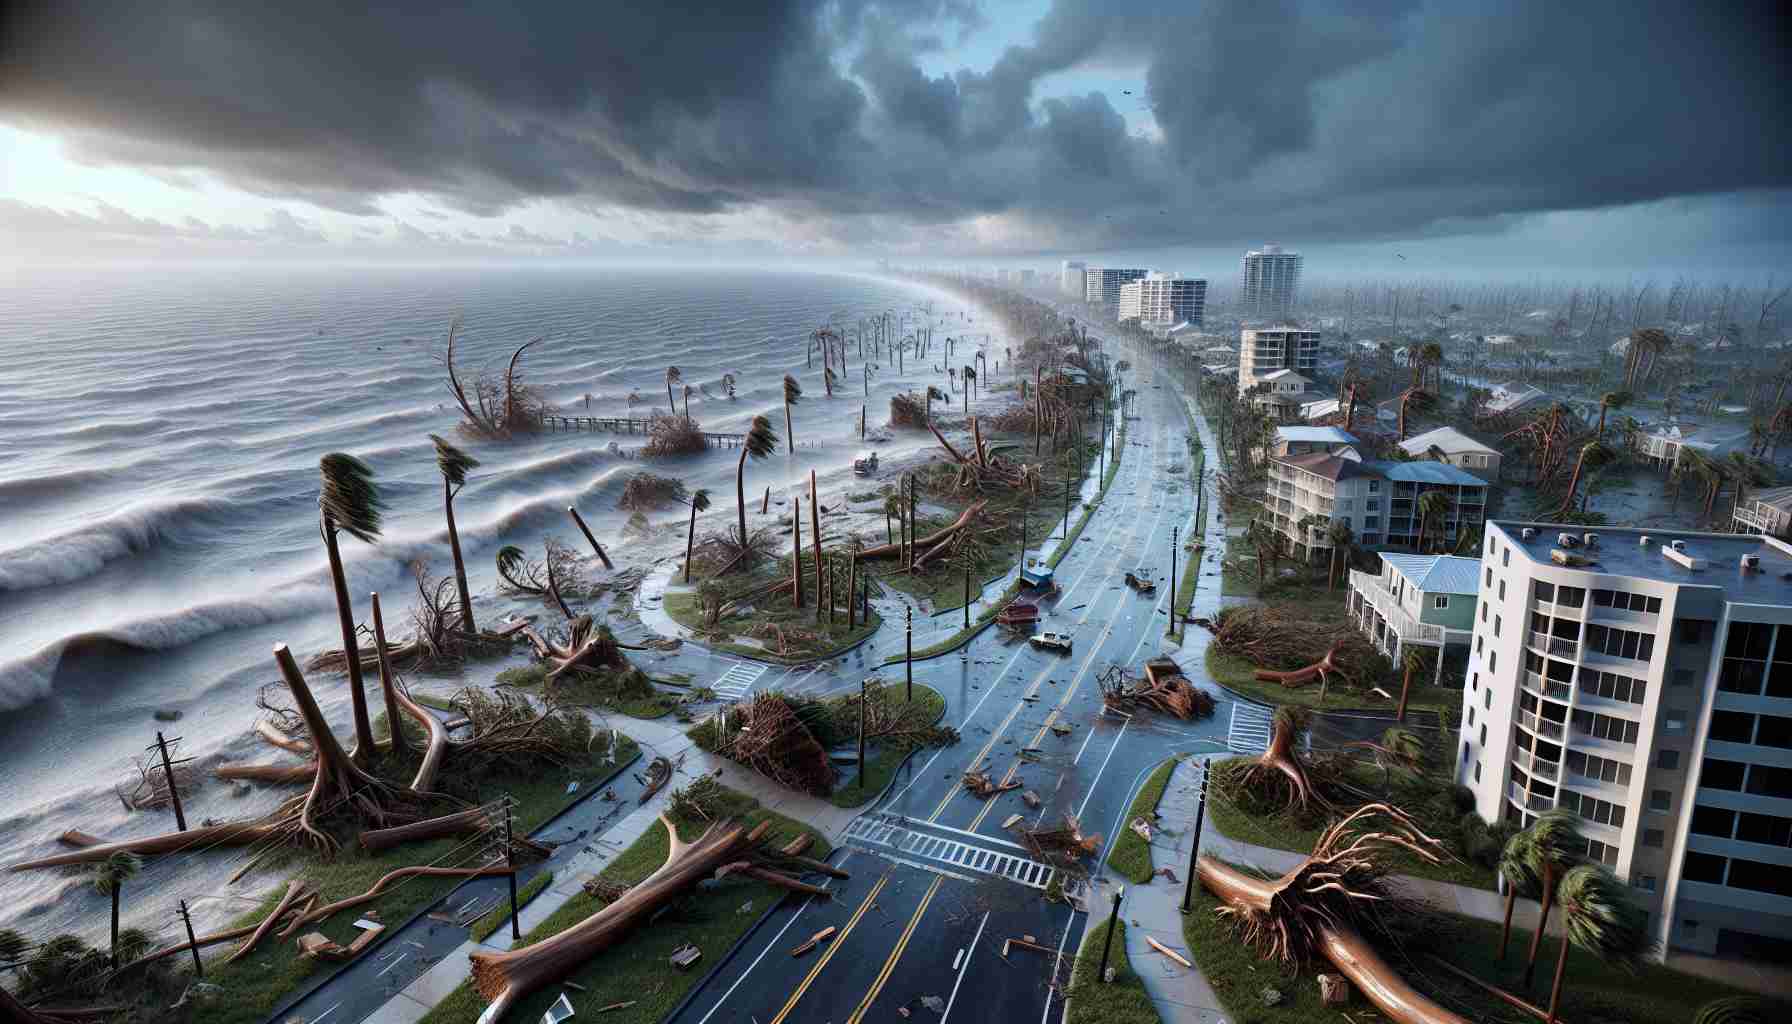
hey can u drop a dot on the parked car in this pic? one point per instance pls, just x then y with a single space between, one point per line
1054 641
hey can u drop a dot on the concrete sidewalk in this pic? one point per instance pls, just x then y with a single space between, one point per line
657 739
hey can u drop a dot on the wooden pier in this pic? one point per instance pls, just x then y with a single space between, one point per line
622 425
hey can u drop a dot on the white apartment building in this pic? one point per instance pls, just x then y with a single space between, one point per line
1263 351
1102 284
1163 299
1071 277
1643 680
1768 511
1270 279
1376 501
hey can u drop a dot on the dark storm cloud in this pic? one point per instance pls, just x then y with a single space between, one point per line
1277 117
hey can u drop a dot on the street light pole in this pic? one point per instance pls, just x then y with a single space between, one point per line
1194 845
1173 532
862 689
908 650
1113 922
516 929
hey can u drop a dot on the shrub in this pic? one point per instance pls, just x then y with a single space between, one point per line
1464 796
647 491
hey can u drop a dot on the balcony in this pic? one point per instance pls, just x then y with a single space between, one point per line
1400 622
1547 687
1546 770
1547 644
1516 794
1540 726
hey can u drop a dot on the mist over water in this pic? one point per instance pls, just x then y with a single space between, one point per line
159 439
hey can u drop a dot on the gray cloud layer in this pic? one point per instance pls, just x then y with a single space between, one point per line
1348 120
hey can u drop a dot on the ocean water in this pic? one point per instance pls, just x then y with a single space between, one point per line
159 439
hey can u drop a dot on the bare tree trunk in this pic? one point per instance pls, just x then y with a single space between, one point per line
815 540
460 566
388 688
796 551
351 646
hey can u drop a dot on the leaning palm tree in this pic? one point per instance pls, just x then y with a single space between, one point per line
454 464
673 376
1611 400
1342 539
109 876
761 441
1414 660
1593 454
699 502
1556 846
793 393
349 502
1601 919
1431 360
1517 877
1432 507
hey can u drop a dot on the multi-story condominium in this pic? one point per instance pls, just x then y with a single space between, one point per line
1768 511
1643 680
1417 600
1379 502
1071 279
1102 285
1270 278
1163 299
1263 351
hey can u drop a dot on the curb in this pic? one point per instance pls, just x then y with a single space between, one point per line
391 933
874 801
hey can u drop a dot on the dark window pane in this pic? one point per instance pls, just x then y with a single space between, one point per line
1573 597
1779 681
1690 630
1752 874
1712 821
1774 731
1601 598
1653 607
1703 867
1767 780
1720 774
1764 828
1543 591
1732 727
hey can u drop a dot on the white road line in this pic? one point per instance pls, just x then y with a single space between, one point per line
1086 740
1057 965
958 957
326 1013
953 998
393 964
1096 782
768 948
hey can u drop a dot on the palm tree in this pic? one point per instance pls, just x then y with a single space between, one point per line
793 393
109 877
349 502
1556 846
1431 356
1601 919
967 557
1432 506
1398 748
1341 539
454 464
672 377
1415 659
970 381
699 502
1515 870
1593 454
892 507
761 441
1611 400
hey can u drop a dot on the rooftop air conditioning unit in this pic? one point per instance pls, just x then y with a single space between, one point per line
1527 533
1644 541
1751 563
1590 539
1567 540
1678 545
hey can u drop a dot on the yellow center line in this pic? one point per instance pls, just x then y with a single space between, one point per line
833 947
895 954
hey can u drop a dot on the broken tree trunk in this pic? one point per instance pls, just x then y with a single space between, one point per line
388 687
294 890
1280 760
1306 674
433 748
460 823
391 878
237 833
587 646
1311 912
279 774
964 519
504 978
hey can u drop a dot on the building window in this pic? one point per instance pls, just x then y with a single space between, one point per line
1774 731
1712 821
1474 681
1720 774
1668 760
1620 643
1543 591
1496 625
1374 504
1483 734
1596 850
1505 558
1660 801
1654 837
1767 829
1374 486
1759 877
1493 661
1646 883
1465 750
1674 721
1440 601
1593 809
1732 727
1471 716
1745 657
1612 686
1605 727
1690 630
1502 590
1490 575
1477 771
1571 597
1487 699
1480 642
1483 611
1703 867
1603 769
1769 780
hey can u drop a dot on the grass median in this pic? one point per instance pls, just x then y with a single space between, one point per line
1093 1001
1131 855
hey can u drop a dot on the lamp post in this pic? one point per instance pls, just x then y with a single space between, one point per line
1174 530
908 650
1119 892
1194 845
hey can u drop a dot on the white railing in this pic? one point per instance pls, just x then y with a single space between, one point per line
1554 645
1546 687
1546 770
1399 619
1540 726
1529 803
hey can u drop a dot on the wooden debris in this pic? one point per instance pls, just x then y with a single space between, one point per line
318 946
685 956
1061 729
1167 951
1025 942
814 940
1164 689
1062 845
659 772
1333 990
1032 799
612 1006
981 785
1011 820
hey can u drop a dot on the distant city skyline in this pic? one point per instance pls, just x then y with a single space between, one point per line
1114 133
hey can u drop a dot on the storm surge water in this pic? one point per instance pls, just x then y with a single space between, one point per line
159 439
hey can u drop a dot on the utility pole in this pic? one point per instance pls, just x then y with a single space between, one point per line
516 929
180 816
908 649
1067 475
862 690
1173 532
1113 921
1194 845
192 941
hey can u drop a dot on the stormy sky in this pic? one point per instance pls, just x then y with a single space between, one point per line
1494 134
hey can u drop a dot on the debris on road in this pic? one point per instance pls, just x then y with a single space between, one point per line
1167 951
1009 822
685 956
1032 799
981 785
814 940
1024 942
1061 844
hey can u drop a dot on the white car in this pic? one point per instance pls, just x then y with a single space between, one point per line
1056 641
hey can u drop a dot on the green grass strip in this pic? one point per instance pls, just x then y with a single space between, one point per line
1093 1001
1131 855
496 918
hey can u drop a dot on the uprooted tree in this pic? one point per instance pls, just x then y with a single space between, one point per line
492 405
725 849
1294 651
1166 691
1320 910
1282 777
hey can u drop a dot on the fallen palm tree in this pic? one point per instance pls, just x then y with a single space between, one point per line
926 545
1293 650
1169 693
725 849
767 736
1317 910
551 578
437 637
984 468
980 784
588 646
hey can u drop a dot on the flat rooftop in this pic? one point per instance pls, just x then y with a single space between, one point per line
1620 554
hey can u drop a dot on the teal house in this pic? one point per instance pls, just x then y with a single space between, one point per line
1427 600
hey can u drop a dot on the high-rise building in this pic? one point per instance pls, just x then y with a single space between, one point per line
1163 299
1102 284
1270 279
1070 278
1263 351
1635 678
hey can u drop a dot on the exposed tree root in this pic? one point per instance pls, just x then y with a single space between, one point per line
1280 769
294 891
1170 694
586 646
